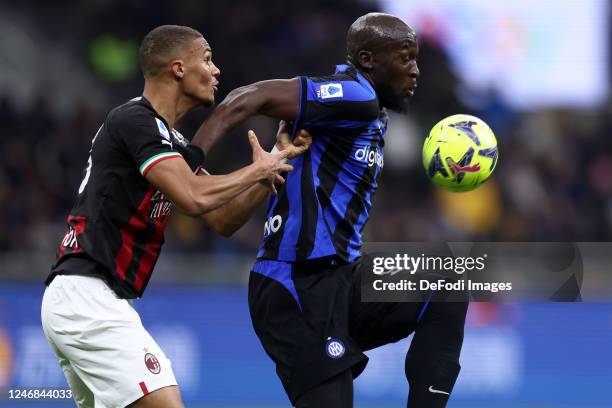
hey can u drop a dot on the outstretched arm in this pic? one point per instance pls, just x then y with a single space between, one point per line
277 98
229 218
197 195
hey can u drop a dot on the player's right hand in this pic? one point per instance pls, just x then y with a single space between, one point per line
268 165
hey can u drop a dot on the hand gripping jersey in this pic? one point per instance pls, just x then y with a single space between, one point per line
322 208
116 228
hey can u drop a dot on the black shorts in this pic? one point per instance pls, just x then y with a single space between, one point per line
312 323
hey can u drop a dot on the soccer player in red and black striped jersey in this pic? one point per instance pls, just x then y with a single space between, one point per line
139 167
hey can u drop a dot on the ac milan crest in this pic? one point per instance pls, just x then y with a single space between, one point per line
152 363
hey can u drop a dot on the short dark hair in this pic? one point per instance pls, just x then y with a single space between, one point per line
161 44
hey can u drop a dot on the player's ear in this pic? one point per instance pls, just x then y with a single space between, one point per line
365 59
178 69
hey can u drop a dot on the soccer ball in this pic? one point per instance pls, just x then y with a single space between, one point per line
460 153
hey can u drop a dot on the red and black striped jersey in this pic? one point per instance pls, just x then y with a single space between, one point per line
116 227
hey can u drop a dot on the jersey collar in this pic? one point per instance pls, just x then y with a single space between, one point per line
148 104
351 70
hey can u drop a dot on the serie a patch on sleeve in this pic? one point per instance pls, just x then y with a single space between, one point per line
332 90
163 130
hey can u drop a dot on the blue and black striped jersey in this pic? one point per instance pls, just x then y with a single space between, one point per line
322 208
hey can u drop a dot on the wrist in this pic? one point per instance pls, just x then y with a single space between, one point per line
258 172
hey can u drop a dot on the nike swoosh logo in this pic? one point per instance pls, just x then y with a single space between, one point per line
463 169
434 391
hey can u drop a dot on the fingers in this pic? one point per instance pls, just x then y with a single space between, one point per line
284 167
283 154
272 188
271 185
303 133
302 141
300 149
303 137
283 139
283 127
289 148
254 141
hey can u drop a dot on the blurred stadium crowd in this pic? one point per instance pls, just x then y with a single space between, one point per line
553 181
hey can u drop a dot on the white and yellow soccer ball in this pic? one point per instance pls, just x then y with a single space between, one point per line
460 153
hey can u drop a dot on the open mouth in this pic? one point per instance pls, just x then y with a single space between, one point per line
411 90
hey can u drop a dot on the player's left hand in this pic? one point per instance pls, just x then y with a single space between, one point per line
300 143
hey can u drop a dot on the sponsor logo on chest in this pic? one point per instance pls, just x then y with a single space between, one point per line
370 155
272 225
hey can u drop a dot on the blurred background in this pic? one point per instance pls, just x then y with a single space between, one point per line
537 72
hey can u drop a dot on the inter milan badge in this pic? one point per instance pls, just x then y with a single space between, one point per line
152 363
334 348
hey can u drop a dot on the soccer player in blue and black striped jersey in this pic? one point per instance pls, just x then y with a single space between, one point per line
305 286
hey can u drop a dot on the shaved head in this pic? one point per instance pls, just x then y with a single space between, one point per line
384 49
376 31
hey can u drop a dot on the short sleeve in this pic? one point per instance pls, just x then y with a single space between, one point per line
146 138
330 102
194 156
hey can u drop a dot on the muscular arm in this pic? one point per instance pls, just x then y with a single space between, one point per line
277 98
197 195
228 218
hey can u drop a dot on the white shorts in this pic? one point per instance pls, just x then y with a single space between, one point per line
108 357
